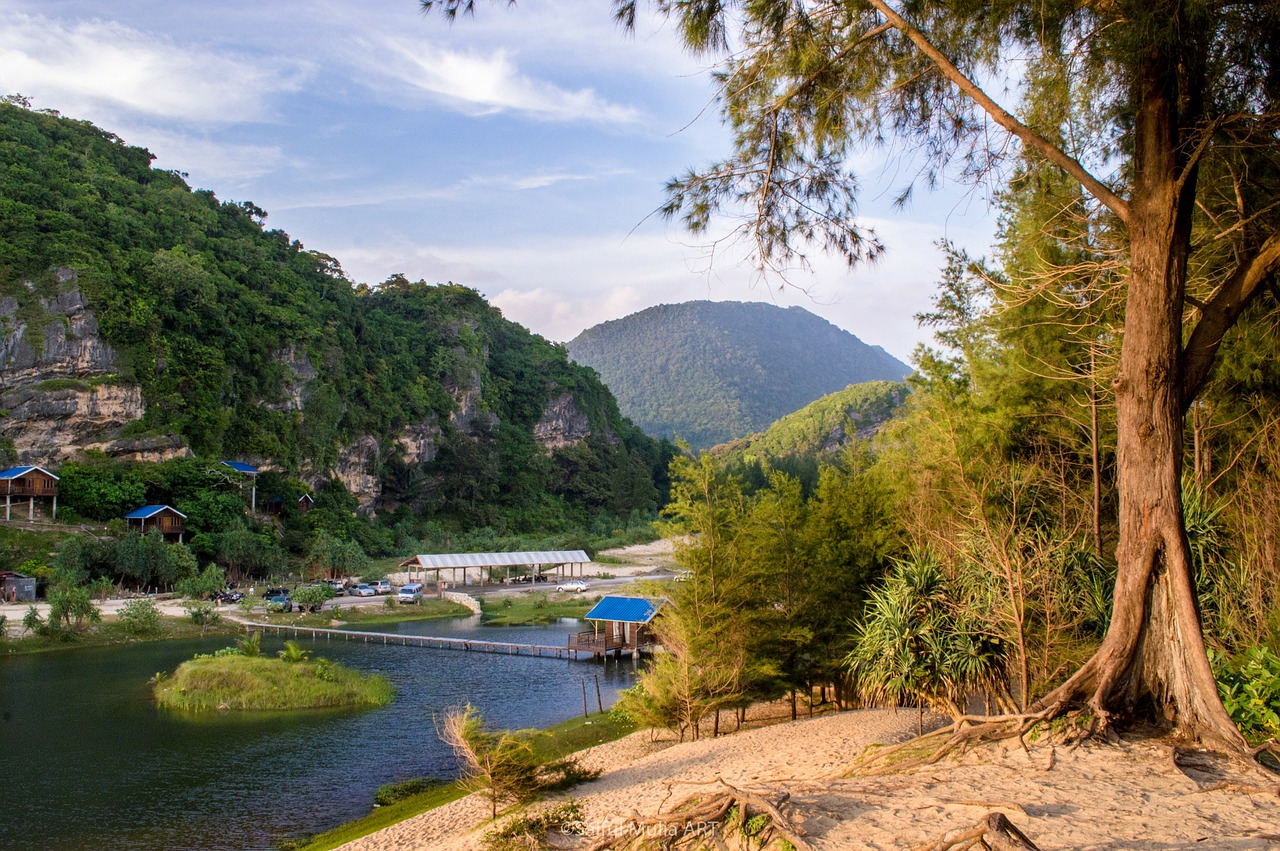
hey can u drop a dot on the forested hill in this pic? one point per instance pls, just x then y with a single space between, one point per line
147 320
822 427
708 372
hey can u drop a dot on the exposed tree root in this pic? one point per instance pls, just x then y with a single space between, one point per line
995 832
960 733
698 821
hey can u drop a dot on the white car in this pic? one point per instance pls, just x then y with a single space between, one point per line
361 590
574 585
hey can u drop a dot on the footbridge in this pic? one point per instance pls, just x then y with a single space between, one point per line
426 641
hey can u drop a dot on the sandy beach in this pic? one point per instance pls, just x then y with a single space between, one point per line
1126 795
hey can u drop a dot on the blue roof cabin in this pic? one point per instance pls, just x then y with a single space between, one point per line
165 518
30 482
621 625
252 472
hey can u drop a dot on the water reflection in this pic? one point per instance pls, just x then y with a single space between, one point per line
91 763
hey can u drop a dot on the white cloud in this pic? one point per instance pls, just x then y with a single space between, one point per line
210 163
85 66
558 287
481 83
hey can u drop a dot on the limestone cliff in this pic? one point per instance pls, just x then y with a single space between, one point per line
60 390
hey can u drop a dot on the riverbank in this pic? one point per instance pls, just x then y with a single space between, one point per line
1126 794
572 736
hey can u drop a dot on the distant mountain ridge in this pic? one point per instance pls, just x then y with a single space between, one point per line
709 372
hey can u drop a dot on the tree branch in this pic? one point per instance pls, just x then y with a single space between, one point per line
1221 311
1004 118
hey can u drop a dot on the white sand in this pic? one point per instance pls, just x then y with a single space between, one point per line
1096 796
1099 796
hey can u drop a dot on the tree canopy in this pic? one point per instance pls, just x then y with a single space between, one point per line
1159 123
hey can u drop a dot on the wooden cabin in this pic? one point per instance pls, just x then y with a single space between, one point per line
168 520
305 504
620 626
31 483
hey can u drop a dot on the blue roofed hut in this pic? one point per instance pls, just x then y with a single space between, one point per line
167 519
252 472
621 625
30 482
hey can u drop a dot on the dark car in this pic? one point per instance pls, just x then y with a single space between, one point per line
278 600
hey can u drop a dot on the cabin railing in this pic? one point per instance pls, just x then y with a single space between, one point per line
40 487
596 642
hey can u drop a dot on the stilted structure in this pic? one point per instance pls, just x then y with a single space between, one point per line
32 483
621 626
169 520
252 472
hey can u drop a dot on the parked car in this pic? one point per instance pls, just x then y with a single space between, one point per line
338 588
381 586
411 593
279 601
361 590
574 585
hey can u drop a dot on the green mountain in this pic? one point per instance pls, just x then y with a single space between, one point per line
146 321
709 372
822 427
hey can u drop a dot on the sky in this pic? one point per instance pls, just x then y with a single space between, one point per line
521 152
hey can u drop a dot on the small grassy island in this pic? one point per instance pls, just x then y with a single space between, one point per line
239 678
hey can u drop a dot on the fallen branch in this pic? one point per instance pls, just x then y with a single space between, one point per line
995 832
699 818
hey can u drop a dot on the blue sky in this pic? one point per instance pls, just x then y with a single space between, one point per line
520 153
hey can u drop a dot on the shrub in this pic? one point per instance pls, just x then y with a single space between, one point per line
389 793
530 829
202 615
294 653
503 762
250 645
141 618
1250 690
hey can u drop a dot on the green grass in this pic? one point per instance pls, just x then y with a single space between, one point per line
383 817
561 740
537 607
110 632
208 683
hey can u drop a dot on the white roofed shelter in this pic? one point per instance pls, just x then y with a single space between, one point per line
485 563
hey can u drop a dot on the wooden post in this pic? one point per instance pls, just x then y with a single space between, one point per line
584 699
599 703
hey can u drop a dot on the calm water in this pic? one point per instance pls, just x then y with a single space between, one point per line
88 762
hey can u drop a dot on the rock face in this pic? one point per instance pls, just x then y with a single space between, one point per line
59 392
562 424
302 374
356 468
67 345
419 444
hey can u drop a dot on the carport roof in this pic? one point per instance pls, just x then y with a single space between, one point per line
525 559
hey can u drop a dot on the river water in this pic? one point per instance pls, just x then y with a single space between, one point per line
87 761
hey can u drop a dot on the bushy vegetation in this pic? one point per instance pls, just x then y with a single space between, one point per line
245 343
969 551
708 372
800 442
232 680
504 763
534 608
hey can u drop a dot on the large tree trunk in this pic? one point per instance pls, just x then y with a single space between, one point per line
1153 658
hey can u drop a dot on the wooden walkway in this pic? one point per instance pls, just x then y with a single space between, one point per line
430 641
